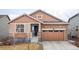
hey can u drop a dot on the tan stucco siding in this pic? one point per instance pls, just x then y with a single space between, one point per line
27 28
12 28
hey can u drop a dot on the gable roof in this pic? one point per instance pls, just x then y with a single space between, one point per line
1 16
46 14
44 22
22 16
73 17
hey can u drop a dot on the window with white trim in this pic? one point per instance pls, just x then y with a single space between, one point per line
39 16
76 28
20 28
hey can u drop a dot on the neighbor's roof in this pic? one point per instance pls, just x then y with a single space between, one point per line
73 17
1 16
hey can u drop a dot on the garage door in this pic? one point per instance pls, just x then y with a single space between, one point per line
53 35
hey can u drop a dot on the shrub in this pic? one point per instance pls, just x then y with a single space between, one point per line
7 41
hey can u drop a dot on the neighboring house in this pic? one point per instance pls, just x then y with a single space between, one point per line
74 26
4 26
38 24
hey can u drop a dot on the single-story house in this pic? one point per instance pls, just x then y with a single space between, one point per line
39 24
4 26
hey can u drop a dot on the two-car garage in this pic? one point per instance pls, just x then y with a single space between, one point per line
53 35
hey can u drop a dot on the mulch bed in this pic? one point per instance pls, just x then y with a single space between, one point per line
23 46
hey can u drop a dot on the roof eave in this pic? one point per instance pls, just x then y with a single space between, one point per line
57 23
25 15
73 17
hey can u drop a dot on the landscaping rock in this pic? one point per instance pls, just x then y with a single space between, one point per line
1 43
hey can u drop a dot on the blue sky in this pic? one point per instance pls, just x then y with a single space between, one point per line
63 14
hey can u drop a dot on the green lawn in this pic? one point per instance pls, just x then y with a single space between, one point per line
24 46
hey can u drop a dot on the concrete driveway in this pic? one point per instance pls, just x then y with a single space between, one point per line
58 45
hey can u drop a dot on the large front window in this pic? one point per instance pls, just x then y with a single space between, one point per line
19 28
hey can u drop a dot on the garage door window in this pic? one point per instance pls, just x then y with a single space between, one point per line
55 30
61 30
50 30
45 30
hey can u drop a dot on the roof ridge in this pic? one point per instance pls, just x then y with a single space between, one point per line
1 16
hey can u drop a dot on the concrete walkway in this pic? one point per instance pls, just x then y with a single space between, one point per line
34 39
58 45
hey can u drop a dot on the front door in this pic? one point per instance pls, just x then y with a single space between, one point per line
34 29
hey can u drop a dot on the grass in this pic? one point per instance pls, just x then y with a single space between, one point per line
24 46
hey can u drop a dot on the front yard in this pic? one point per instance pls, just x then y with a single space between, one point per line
23 46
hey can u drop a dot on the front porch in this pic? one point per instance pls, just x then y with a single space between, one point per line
31 33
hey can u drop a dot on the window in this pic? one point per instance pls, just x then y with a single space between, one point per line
50 30
55 30
39 16
45 30
20 28
61 30
76 28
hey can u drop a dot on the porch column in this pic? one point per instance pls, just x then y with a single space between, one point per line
39 27
30 30
39 32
